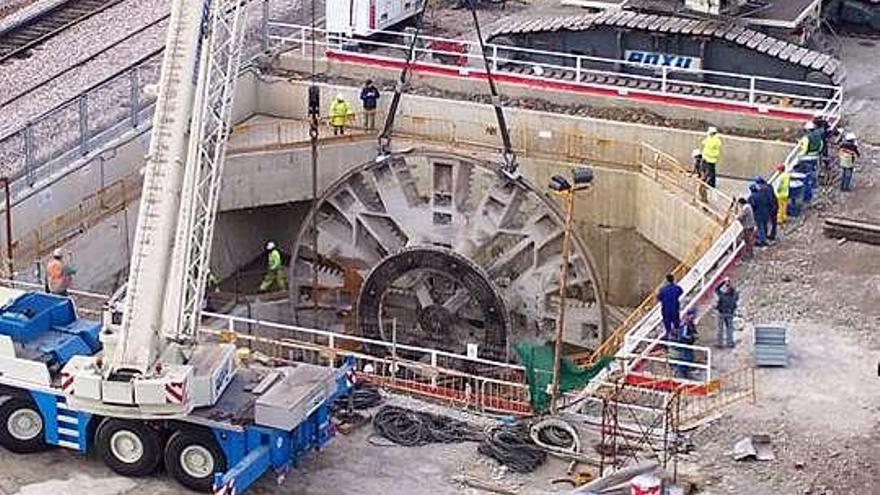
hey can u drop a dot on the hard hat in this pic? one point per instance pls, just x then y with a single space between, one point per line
759 180
270 245
780 167
339 96
695 153
810 125
712 130
692 311
849 136
56 253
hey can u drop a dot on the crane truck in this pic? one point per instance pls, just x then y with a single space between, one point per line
141 389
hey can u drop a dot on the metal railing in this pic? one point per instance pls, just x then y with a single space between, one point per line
482 383
94 208
80 125
761 92
729 388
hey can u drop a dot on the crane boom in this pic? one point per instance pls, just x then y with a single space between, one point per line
138 343
153 365
182 181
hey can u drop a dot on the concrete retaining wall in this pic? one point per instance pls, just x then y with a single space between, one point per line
579 136
360 72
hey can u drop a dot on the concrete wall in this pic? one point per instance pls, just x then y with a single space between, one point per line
579 136
268 178
465 86
240 236
101 254
674 225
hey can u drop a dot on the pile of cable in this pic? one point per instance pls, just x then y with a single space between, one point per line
414 428
555 436
363 395
512 446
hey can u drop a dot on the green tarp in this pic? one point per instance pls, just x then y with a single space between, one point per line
538 362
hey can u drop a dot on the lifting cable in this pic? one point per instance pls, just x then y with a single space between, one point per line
402 81
314 112
508 163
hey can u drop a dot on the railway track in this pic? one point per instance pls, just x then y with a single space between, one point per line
19 41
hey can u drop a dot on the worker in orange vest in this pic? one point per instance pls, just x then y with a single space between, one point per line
59 276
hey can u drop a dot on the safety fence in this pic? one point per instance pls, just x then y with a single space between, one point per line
457 379
464 58
62 228
80 125
727 389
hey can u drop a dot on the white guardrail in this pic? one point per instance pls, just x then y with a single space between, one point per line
464 57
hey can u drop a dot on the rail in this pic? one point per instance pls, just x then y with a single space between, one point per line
477 383
94 208
760 93
730 388
462 380
79 125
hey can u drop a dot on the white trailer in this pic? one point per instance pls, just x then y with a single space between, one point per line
364 18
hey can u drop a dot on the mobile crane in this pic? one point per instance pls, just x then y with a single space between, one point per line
142 389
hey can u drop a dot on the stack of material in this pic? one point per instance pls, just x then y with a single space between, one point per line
771 346
854 230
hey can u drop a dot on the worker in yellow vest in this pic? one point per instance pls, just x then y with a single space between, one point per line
711 154
782 189
340 113
275 275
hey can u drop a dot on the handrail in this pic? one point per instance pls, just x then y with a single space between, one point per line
322 37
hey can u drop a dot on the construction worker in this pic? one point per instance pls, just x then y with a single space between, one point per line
340 112
847 153
59 275
687 335
369 100
772 207
711 154
781 189
726 302
810 149
275 273
212 285
761 209
54 271
746 217
669 296
812 142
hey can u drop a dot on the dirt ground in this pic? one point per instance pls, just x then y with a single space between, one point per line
822 412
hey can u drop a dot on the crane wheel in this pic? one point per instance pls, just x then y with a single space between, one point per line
129 448
22 429
192 457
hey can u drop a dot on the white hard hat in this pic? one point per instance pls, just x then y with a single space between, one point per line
56 253
712 130
339 96
810 125
270 245
695 153
849 136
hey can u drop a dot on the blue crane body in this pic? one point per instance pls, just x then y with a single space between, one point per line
40 333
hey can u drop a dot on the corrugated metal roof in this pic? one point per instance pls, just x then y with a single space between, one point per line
740 35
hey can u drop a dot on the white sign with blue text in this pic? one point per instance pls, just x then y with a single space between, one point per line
654 59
